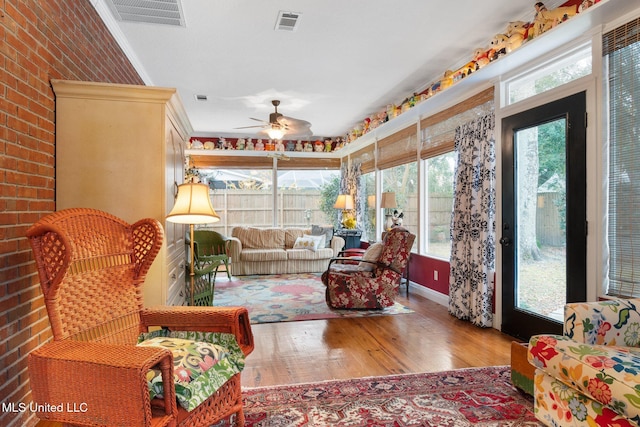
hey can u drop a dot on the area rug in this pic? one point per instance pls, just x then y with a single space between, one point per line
286 298
466 397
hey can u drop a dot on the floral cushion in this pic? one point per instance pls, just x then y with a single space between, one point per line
606 375
591 374
203 362
560 405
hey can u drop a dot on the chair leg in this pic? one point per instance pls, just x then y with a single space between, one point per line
226 267
240 418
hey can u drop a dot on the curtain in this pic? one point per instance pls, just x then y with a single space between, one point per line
473 225
350 184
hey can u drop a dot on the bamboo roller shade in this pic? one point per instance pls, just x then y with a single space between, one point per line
402 146
249 162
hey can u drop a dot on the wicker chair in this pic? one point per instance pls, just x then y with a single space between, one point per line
92 266
211 248
369 283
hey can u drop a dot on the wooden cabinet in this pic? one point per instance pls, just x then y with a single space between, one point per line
120 149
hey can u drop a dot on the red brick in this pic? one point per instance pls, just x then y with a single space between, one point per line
41 40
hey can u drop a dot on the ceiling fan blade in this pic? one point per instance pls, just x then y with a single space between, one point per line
247 127
296 126
290 121
258 120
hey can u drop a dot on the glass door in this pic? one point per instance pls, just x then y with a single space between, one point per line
544 215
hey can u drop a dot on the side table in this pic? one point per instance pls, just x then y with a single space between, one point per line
351 238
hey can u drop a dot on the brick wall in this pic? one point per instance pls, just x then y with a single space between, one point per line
39 40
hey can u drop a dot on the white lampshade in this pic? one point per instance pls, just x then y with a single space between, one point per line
275 132
388 201
344 202
193 205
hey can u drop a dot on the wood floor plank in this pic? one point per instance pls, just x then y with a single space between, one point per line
427 340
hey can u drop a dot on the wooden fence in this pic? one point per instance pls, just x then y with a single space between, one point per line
300 208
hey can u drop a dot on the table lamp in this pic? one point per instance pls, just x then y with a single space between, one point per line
388 201
192 206
344 202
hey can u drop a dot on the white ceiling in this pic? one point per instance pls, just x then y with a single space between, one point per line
347 59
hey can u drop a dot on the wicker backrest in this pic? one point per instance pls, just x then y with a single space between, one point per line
92 266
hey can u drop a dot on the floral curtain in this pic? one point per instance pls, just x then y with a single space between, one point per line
350 184
473 223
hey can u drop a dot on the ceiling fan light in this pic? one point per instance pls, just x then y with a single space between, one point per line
275 132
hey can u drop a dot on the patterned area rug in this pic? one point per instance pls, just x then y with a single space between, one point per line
286 298
467 397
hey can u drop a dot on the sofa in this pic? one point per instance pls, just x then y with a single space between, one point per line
590 375
274 251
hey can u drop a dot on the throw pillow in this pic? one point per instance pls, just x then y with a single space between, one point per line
371 254
319 240
317 230
203 362
311 243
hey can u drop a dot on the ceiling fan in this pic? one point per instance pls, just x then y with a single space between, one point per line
278 125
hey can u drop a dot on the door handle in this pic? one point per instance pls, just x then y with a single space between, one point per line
505 241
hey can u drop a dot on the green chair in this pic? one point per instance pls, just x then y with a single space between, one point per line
210 248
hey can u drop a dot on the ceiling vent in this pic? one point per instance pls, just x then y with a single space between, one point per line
287 21
164 12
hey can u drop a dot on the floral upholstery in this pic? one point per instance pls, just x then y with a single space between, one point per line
202 363
357 289
591 374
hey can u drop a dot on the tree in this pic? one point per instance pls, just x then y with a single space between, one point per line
440 172
527 192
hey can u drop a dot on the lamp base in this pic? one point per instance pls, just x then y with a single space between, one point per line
388 225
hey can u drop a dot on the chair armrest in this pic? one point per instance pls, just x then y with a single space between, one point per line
92 383
342 258
231 320
234 246
337 243
353 259
210 265
602 322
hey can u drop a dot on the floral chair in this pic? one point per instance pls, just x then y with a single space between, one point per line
591 374
371 283
118 362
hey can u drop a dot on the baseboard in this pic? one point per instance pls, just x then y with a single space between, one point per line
429 294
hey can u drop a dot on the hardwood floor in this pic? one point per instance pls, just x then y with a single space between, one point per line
428 340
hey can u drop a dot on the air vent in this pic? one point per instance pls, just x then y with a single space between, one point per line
287 21
201 97
164 12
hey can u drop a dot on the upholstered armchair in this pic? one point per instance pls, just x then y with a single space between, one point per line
373 281
591 374
91 267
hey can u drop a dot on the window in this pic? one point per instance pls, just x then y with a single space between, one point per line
240 197
403 181
245 197
553 74
438 165
306 197
621 50
439 171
